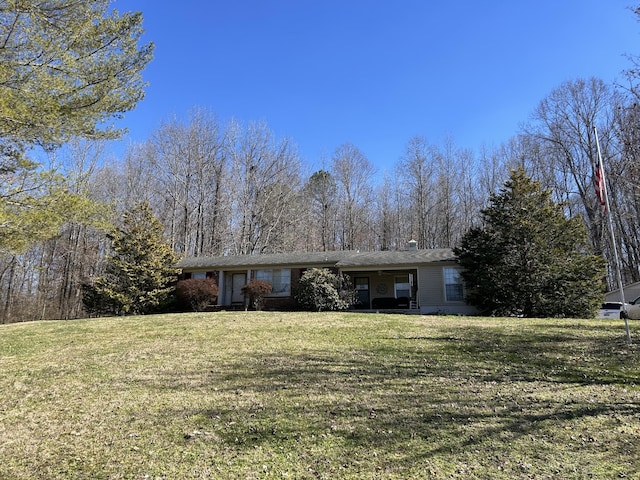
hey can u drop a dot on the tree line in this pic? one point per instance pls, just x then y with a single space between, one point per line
224 188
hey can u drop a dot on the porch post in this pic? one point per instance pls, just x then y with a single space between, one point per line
246 299
221 291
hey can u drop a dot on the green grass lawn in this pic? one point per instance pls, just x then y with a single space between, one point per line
331 395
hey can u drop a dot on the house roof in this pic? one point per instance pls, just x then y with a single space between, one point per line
340 259
628 286
403 258
631 292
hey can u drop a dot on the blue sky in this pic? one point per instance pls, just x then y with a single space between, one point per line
374 73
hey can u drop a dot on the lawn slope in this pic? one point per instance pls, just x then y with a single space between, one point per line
290 395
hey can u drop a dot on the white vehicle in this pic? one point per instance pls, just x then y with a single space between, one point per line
633 309
611 310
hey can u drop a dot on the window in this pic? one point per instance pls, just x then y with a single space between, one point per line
280 280
453 286
403 286
199 275
361 283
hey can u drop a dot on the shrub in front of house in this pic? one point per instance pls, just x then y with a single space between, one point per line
196 294
320 289
256 291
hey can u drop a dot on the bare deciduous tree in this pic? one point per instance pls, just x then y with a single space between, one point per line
353 173
190 169
563 128
266 175
320 192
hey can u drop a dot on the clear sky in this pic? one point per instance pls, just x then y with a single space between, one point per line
374 72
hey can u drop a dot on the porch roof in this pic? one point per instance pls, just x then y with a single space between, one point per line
400 259
340 259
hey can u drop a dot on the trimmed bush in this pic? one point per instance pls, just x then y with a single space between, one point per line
256 290
320 289
196 294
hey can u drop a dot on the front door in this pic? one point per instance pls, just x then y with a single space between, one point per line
362 289
238 281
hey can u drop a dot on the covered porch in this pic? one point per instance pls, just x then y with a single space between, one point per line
389 289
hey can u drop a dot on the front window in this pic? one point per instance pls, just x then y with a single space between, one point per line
199 275
403 286
453 285
280 280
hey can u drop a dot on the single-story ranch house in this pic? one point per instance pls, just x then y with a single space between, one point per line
425 281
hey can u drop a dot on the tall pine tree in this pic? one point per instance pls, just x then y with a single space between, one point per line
528 259
139 277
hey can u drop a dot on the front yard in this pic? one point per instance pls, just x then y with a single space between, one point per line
331 395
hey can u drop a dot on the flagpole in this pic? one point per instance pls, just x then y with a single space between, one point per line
613 237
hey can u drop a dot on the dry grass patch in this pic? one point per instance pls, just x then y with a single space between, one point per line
291 395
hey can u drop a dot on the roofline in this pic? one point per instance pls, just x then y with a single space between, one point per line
343 259
625 287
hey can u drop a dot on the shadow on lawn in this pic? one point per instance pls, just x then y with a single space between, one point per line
475 388
565 357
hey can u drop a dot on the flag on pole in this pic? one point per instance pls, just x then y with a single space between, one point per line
599 184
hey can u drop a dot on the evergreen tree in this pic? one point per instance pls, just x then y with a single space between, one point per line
67 69
35 204
528 259
139 277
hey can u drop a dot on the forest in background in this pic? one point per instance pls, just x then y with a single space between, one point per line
226 189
